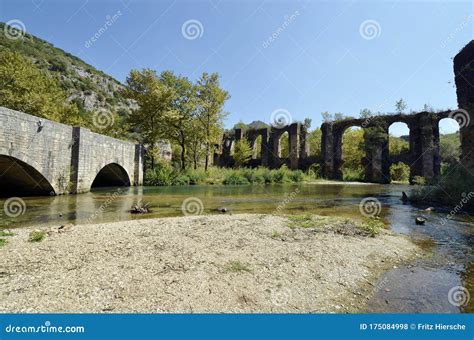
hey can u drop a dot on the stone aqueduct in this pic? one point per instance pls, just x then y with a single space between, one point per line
423 157
38 156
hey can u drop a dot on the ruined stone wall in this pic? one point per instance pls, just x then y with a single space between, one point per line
464 79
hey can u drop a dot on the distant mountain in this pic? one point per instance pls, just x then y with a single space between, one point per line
86 86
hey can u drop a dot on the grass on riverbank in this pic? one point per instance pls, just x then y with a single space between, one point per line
370 227
37 236
164 174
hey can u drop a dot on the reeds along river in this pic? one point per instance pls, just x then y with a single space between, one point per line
427 285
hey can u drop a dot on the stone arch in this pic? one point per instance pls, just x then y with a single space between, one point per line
454 153
111 175
403 157
18 178
339 128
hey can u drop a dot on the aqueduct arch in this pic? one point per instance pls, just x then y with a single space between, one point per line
423 158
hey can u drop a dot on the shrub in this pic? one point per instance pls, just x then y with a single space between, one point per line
282 175
237 267
162 174
400 172
37 236
372 226
182 180
242 152
297 176
235 179
196 176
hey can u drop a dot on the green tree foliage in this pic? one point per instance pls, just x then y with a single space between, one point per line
171 107
400 106
327 117
242 152
211 99
398 146
400 172
314 140
450 148
353 154
25 88
284 145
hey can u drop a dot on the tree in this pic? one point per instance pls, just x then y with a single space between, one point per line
365 113
284 145
314 141
352 153
26 88
327 117
400 106
211 99
154 104
242 152
307 123
167 108
398 146
450 148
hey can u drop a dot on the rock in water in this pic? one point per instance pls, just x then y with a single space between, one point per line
140 208
404 196
420 220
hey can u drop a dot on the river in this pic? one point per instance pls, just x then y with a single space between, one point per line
422 286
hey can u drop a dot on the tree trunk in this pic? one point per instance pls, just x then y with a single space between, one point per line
183 152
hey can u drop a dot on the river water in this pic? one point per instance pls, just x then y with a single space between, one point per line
422 286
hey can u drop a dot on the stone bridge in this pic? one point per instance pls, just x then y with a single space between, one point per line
41 157
423 156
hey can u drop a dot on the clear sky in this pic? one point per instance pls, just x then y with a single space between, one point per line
304 57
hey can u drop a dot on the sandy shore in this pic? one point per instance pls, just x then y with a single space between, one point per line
220 263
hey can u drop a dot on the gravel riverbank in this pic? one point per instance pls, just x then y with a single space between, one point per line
216 263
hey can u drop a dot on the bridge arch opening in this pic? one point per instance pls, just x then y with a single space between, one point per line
257 147
18 178
353 153
111 175
449 144
284 141
399 152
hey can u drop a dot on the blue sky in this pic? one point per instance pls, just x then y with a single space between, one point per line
319 59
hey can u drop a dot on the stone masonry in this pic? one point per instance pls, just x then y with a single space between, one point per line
54 158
